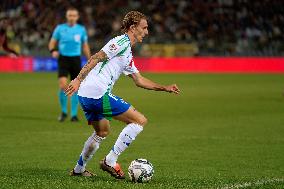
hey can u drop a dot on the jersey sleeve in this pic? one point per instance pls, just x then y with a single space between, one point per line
56 34
130 69
114 48
84 38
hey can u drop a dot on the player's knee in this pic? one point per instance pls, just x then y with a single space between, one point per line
102 131
142 121
102 127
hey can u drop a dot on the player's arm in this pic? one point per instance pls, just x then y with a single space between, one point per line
92 62
86 50
52 48
145 83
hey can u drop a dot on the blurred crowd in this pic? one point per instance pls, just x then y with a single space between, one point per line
218 27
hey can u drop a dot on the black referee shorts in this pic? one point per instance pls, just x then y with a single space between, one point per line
69 65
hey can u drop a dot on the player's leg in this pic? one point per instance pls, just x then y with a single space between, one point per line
132 116
93 112
74 71
91 146
135 122
63 99
62 81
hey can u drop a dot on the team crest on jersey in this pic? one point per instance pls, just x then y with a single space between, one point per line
112 47
77 37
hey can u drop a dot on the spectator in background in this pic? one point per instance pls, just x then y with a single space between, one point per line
219 27
4 38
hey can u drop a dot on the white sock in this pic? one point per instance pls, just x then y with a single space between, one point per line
90 147
125 138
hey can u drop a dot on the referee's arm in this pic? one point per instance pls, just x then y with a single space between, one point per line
86 50
52 48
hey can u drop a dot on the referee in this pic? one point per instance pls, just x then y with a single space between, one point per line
70 38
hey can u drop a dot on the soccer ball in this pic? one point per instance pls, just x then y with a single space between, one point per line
140 170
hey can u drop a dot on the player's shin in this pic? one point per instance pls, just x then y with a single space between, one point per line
125 138
90 147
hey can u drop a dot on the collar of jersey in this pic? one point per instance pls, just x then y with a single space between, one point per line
70 26
127 37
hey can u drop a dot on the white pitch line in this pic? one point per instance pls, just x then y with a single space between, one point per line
253 183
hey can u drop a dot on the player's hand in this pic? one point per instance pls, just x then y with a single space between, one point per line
55 54
72 87
172 89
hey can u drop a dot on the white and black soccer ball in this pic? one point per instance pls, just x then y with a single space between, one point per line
140 170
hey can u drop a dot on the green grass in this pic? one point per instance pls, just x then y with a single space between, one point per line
222 130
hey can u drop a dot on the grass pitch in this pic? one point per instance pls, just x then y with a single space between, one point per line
222 131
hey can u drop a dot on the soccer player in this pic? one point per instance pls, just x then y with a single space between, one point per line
95 82
70 38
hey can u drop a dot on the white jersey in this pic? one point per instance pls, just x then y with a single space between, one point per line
102 78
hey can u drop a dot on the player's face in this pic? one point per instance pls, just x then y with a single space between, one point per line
141 30
72 16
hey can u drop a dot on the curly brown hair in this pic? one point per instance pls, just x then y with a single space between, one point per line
131 18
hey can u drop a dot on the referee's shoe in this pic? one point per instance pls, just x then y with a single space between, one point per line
74 119
62 117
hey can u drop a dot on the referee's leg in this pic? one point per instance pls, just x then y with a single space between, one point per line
74 71
62 81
